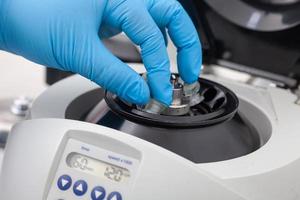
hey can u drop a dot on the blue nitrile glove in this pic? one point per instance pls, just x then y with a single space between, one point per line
64 34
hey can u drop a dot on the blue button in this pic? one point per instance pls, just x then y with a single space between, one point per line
98 193
80 188
64 182
114 196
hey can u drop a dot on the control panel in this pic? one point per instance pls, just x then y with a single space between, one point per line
88 172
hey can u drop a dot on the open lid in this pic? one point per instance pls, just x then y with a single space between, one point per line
260 37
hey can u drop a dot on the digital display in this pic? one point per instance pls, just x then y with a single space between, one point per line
98 168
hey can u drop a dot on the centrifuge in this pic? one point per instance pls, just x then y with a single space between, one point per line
236 138
240 142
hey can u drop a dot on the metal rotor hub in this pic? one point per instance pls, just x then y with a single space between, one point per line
184 97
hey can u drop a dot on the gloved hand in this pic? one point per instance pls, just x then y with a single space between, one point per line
64 34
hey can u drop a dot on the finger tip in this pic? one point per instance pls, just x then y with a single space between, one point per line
192 75
138 93
164 96
190 66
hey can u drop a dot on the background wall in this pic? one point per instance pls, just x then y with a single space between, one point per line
19 77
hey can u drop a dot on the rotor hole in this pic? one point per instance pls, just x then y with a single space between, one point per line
219 103
210 94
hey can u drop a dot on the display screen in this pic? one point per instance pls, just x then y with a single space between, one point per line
98 168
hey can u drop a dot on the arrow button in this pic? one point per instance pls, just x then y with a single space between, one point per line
80 188
64 182
98 193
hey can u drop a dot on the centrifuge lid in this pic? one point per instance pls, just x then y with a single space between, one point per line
256 22
252 15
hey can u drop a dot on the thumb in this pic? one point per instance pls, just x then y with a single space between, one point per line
98 64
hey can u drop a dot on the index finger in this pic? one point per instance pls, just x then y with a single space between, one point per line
171 14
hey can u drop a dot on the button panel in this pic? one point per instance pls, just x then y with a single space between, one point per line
80 188
96 173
